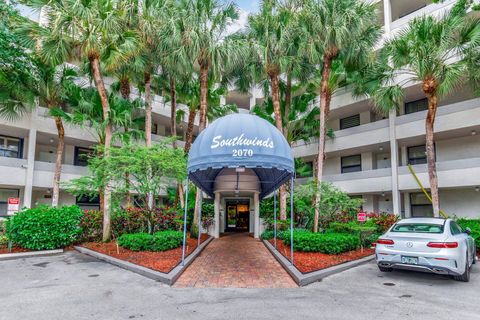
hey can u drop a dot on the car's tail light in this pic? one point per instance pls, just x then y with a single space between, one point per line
443 245
385 241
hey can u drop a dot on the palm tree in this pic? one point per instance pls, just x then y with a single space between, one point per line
434 52
272 39
203 30
18 74
84 31
335 29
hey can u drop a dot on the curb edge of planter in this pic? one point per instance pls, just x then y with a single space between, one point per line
29 254
308 278
166 278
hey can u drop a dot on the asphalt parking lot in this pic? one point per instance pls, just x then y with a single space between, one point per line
75 286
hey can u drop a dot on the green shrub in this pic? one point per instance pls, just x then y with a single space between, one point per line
160 241
3 241
267 235
44 227
329 243
474 225
92 226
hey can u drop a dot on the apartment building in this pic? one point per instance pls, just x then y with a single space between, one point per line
27 155
369 154
367 158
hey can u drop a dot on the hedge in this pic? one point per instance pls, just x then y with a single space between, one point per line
474 225
44 227
159 241
329 243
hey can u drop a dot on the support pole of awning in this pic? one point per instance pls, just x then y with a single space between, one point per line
185 224
275 219
291 220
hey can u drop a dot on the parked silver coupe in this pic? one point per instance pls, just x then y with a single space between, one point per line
427 244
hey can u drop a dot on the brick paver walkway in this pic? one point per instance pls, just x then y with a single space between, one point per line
237 261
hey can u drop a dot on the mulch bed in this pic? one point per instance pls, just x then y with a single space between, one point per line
14 250
307 262
163 261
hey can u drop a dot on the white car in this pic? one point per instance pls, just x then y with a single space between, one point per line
427 244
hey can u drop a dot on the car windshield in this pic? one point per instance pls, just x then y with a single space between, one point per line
418 228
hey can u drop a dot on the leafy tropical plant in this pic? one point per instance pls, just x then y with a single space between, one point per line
44 227
160 241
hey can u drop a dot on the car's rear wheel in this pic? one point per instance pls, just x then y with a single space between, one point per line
465 277
385 269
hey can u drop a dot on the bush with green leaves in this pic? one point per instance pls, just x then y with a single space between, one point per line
159 241
44 227
474 225
329 243
3 240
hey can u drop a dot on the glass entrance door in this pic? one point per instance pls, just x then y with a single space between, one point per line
237 215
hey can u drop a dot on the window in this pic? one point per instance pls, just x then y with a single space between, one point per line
416 106
455 228
418 228
420 206
349 122
11 147
4 195
81 156
88 203
351 163
416 155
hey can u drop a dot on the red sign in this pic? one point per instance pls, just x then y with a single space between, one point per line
13 200
361 216
13 205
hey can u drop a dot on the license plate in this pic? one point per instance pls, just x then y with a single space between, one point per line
409 260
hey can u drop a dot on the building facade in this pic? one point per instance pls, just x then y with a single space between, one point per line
367 157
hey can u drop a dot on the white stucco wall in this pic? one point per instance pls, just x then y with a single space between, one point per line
461 202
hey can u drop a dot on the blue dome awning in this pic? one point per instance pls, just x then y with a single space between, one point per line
241 140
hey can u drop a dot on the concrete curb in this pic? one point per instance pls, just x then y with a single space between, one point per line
31 254
167 278
303 279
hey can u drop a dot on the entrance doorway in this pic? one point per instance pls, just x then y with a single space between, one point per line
237 215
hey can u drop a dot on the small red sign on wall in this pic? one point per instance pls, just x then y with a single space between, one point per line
13 205
362 216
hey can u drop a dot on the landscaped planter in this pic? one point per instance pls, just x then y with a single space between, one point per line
164 266
341 263
307 262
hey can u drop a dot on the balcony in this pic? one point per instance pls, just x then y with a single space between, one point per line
363 135
451 174
12 171
44 171
450 117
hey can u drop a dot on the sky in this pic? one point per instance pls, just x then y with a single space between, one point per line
248 5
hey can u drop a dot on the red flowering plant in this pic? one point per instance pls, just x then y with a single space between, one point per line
383 220
91 224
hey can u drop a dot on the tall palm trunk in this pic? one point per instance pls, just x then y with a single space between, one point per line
147 81
282 195
173 110
125 92
148 108
203 123
97 77
325 97
429 87
189 134
275 88
58 161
